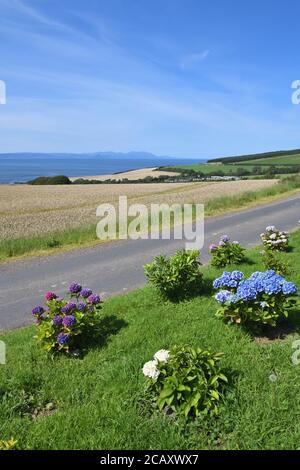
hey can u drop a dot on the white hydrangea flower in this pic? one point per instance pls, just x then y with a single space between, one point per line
273 236
271 228
162 355
150 370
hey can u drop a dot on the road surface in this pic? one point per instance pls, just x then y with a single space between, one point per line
117 267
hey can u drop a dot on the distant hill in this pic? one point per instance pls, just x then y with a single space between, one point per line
129 155
278 156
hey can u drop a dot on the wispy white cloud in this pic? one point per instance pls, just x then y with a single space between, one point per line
76 86
25 10
191 60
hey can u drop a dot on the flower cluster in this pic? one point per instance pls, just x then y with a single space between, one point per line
150 368
275 240
61 321
185 381
263 297
226 252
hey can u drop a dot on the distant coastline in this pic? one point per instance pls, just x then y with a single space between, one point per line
22 168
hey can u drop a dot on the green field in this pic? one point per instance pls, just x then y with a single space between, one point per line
287 160
212 168
246 164
97 402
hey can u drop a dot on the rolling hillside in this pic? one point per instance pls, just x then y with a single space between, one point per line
282 162
280 157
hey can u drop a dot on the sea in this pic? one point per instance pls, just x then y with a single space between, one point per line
20 169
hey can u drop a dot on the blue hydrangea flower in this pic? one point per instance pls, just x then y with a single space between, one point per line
223 296
237 275
62 338
222 281
272 287
246 291
289 288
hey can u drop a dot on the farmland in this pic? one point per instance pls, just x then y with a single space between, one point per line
214 168
231 165
37 210
288 160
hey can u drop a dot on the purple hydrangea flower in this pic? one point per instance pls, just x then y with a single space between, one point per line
68 308
213 247
81 306
75 288
62 338
69 320
94 299
57 320
225 238
221 243
38 310
85 293
50 296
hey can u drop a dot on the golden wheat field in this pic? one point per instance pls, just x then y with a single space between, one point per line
131 175
35 210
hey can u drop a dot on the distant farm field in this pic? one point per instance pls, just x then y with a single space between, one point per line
210 168
286 160
28 211
231 168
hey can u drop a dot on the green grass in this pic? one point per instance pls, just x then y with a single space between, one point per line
97 400
53 242
225 203
212 168
86 236
284 160
231 168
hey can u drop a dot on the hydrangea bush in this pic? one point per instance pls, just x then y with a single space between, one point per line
273 260
176 277
275 240
263 298
186 381
62 322
226 252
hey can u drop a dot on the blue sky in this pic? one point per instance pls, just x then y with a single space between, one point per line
186 78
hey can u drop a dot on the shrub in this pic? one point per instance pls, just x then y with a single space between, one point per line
63 323
263 298
274 240
226 252
186 381
272 261
42 180
176 277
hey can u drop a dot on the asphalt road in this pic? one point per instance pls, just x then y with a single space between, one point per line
117 267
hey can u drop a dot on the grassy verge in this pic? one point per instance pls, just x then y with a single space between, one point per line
86 236
96 402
